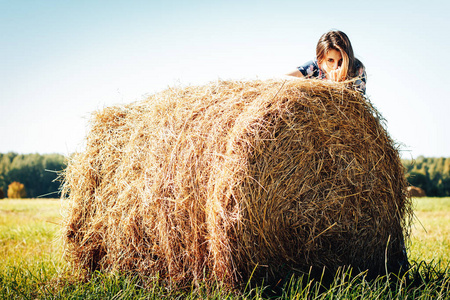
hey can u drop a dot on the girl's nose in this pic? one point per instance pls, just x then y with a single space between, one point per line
332 65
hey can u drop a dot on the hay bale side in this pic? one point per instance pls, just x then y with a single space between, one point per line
209 182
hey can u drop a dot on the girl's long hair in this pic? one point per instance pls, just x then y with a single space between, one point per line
339 41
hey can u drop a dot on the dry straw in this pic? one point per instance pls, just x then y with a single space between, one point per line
230 178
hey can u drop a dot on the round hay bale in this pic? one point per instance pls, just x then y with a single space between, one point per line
414 191
233 178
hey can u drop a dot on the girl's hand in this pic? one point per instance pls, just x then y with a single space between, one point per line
334 75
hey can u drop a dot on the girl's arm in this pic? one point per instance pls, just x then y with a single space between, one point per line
295 73
307 70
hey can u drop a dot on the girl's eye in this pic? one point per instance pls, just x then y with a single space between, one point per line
330 60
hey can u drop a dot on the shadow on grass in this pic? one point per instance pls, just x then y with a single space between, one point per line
423 280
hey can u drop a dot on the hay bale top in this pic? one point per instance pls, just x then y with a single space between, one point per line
209 182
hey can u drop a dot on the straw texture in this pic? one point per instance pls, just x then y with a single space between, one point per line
230 178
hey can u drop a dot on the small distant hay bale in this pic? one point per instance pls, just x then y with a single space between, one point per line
231 179
414 191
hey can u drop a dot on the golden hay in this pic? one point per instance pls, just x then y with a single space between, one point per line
225 179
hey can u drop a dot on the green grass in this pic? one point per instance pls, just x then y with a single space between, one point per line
32 266
430 233
29 232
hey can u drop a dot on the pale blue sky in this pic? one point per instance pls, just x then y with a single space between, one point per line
62 60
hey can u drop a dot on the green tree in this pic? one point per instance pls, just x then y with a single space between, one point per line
25 169
38 173
5 165
431 174
53 165
420 180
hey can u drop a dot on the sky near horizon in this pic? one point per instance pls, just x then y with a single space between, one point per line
62 60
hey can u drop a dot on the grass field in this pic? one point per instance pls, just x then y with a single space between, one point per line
431 230
32 265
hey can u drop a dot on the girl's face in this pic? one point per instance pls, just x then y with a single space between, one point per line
332 60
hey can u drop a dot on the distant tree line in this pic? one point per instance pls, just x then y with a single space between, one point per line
38 173
430 174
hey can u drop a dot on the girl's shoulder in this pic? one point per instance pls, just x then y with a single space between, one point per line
359 67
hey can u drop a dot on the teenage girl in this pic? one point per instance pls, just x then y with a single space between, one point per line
335 61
